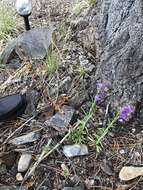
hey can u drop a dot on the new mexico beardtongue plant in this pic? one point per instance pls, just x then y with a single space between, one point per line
125 113
98 99
102 91
103 86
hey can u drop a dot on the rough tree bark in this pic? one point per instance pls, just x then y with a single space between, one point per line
119 41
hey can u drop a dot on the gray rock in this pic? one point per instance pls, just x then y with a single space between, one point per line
12 188
30 137
61 120
32 44
81 187
75 150
24 162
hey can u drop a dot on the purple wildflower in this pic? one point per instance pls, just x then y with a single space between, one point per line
103 86
98 99
125 113
102 91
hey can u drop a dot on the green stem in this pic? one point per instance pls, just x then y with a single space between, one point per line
110 125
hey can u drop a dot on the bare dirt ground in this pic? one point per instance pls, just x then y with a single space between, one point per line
72 84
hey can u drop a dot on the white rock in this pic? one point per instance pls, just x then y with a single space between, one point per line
23 7
19 177
122 151
130 172
75 150
137 154
133 130
24 162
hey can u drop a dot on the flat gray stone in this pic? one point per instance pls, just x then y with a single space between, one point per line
61 120
32 44
75 150
81 187
28 138
12 188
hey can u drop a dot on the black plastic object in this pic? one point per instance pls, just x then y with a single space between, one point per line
12 106
26 21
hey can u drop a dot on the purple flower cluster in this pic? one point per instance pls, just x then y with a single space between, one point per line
125 113
103 86
102 91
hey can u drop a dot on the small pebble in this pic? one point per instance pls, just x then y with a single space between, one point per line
74 188
139 136
19 177
133 130
137 154
24 162
122 151
89 183
75 150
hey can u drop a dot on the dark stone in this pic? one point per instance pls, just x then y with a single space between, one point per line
24 139
32 44
12 188
61 120
81 187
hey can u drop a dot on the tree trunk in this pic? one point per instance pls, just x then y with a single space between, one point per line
119 45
